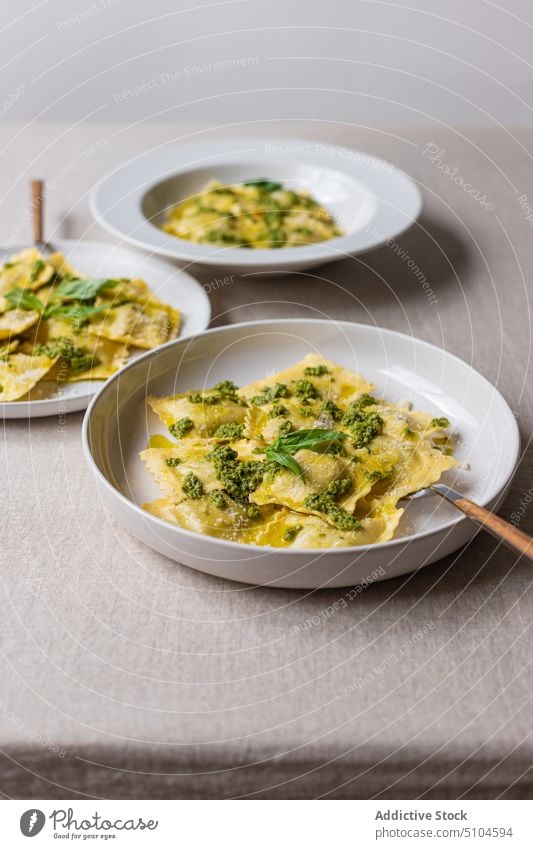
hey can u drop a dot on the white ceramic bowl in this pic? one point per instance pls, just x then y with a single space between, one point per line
118 423
372 200
98 259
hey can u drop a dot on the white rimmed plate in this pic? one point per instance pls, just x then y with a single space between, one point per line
372 200
169 283
118 423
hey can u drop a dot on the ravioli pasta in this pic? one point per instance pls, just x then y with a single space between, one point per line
306 458
60 326
253 214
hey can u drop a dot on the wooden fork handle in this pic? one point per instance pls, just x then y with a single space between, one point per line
511 536
498 527
37 203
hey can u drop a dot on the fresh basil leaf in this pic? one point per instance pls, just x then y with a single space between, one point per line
77 313
25 300
285 460
282 449
267 185
308 438
82 290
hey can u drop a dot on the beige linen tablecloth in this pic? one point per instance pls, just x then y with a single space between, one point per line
126 675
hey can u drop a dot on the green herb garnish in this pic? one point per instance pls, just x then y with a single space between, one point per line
265 185
172 462
192 486
378 474
440 421
316 371
77 314
365 430
291 533
330 409
238 477
226 389
77 359
22 299
284 428
37 268
219 499
181 427
229 430
305 390
82 290
325 502
277 410
271 393
285 446
364 426
198 398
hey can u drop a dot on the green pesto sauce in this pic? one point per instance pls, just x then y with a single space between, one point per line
277 410
198 398
225 390
192 486
330 409
364 431
172 462
443 444
230 430
356 411
284 428
271 393
307 413
316 371
291 533
181 427
37 268
325 502
253 511
305 390
77 359
440 421
378 474
219 499
364 426
335 448
238 477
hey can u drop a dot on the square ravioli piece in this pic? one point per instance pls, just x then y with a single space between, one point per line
303 395
28 269
19 373
271 526
328 380
134 324
13 322
200 414
86 357
225 519
174 466
322 473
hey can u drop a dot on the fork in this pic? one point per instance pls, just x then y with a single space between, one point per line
37 205
499 528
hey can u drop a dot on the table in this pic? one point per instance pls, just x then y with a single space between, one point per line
125 675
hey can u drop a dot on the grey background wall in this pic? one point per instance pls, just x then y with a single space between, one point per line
366 62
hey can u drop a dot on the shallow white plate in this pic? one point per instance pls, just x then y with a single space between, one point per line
372 200
168 282
118 424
